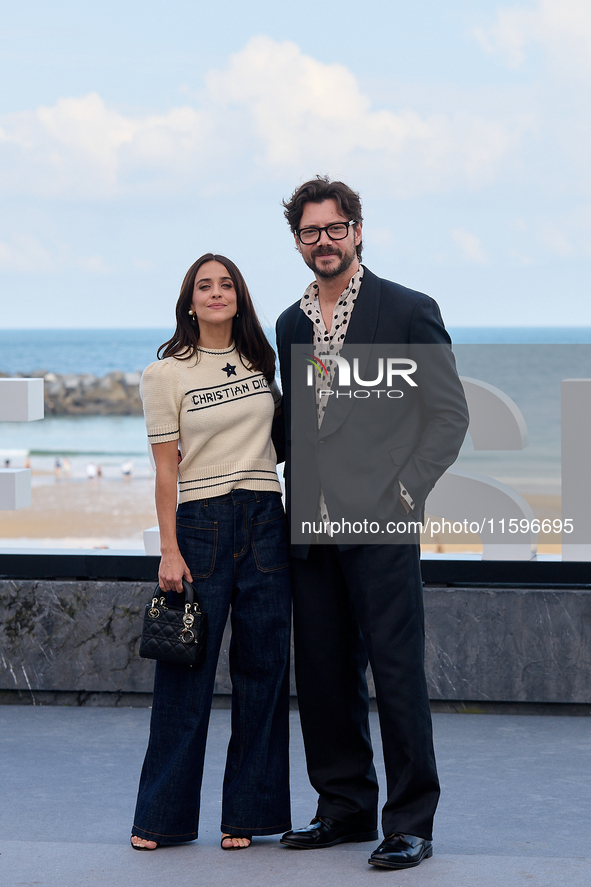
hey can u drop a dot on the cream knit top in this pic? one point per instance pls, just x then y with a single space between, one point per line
221 412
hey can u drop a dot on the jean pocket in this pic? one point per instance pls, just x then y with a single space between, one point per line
269 542
198 542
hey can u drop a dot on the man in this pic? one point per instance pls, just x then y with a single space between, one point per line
358 601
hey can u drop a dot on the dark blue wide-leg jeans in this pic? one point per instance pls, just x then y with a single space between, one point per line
237 550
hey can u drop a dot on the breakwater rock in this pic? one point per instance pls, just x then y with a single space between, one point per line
116 394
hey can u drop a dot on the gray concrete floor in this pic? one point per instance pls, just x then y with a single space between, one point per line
515 807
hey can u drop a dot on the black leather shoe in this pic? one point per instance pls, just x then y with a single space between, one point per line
401 851
324 832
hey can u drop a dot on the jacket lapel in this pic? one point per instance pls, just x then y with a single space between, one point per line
361 331
303 407
302 331
364 318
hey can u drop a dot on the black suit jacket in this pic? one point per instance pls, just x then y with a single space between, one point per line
412 440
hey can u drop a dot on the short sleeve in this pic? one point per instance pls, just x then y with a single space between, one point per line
276 393
161 396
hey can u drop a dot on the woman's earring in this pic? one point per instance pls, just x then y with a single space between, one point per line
191 313
237 314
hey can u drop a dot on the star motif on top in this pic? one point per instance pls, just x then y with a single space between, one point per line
229 370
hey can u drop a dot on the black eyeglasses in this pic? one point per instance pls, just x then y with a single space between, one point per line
338 231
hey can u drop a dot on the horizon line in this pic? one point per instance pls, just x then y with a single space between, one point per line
535 326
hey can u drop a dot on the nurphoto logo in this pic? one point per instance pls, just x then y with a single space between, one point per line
389 370
320 367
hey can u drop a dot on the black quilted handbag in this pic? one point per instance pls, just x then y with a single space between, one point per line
172 634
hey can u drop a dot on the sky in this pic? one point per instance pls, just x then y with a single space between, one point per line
136 136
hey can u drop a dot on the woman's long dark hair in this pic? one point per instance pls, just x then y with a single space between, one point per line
247 333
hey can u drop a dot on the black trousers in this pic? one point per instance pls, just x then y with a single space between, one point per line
365 602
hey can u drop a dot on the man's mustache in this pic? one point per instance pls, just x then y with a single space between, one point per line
326 251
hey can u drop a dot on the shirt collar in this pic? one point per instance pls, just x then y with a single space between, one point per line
309 300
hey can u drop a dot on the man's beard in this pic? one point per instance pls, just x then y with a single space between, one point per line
346 261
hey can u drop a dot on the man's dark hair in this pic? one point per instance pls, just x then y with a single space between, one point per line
317 190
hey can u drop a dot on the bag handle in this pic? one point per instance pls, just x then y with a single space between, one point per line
190 596
189 592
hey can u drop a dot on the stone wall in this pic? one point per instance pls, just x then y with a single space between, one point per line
509 644
483 644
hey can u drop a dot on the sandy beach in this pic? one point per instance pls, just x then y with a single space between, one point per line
83 514
113 513
544 507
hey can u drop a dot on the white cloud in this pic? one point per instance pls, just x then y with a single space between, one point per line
81 148
305 114
546 237
470 246
27 254
562 28
271 111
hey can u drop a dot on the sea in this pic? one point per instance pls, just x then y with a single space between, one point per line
82 441
526 363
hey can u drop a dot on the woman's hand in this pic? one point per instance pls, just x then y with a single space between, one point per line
172 571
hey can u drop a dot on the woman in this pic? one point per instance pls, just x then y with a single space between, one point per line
212 390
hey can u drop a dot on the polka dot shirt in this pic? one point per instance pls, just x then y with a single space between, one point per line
329 342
